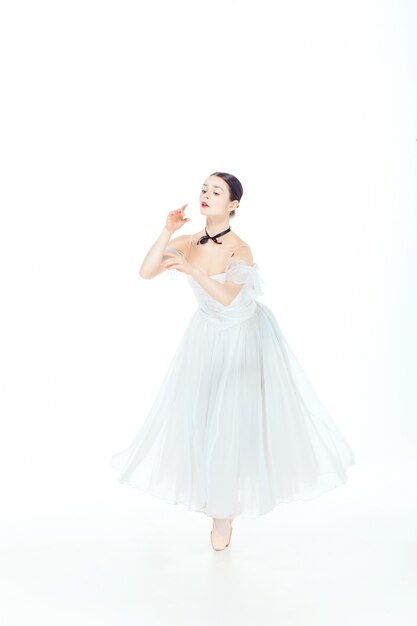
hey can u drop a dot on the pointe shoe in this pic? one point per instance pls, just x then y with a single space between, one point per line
219 541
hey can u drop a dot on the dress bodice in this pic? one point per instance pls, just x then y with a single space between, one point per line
243 305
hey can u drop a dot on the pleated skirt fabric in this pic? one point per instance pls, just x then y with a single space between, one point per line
236 428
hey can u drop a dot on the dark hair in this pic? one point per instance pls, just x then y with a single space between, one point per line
235 187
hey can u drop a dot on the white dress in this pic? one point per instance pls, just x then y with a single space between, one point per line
235 428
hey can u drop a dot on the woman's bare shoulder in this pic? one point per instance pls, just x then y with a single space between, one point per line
243 253
239 243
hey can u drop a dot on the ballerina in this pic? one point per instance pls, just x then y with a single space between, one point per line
236 427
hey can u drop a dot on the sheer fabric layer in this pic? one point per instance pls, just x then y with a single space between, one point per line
236 427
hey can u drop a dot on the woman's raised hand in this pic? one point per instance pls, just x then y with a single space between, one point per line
176 219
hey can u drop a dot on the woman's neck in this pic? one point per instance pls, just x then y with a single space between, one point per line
214 226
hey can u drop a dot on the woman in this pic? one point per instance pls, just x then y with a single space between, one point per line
236 428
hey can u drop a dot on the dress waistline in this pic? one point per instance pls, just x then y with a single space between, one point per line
227 319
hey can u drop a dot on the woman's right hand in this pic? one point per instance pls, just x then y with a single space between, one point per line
176 219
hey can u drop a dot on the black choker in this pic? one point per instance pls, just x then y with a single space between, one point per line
205 239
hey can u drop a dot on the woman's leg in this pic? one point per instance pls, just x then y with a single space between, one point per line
222 525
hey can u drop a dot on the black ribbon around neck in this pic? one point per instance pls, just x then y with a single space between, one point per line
204 239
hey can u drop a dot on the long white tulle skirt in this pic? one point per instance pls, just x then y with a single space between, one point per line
236 428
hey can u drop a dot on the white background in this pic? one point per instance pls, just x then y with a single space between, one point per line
112 114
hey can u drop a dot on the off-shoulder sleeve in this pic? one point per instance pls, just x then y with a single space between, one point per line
172 272
237 271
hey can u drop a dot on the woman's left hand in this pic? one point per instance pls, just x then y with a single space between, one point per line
179 263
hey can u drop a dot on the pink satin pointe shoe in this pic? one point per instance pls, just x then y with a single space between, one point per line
220 541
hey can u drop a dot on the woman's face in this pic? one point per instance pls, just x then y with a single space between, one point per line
214 197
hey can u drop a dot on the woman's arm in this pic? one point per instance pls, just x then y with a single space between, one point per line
151 264
225 292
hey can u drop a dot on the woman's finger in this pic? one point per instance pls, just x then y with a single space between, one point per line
170 264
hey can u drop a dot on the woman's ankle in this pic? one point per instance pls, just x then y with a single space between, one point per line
222 525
